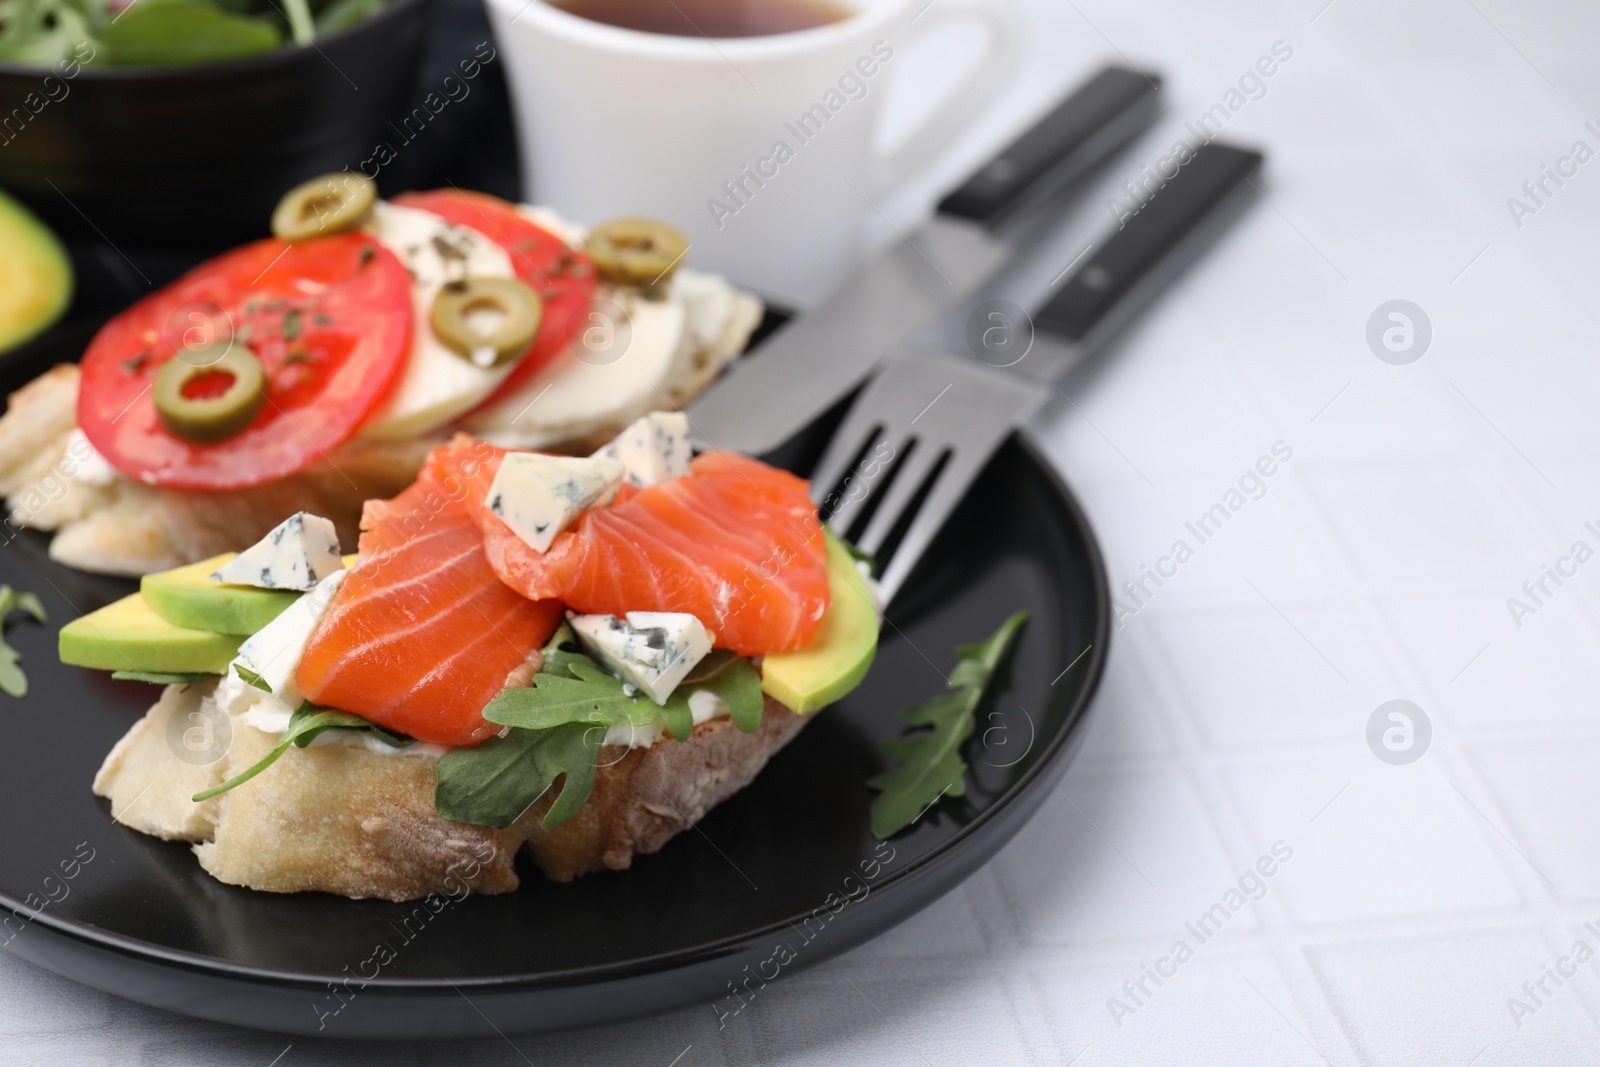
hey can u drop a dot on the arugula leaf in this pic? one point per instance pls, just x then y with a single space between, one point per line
342 14
558 728
161 677
495 782
184 31
579 692
304 725
29 603
571 687
734 679
301 28
252 678
560 651
12 681
930 761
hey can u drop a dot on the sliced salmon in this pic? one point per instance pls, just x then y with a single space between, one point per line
735 543
423 634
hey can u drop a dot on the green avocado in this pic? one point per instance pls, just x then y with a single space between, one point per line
188 597
35 275
843 649
129 636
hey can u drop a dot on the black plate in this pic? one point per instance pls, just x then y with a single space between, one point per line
782 876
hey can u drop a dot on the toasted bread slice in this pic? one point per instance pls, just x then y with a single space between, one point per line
148 778
341 819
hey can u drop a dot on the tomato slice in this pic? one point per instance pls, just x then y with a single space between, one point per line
330 320
562 276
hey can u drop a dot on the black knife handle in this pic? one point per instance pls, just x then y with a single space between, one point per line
1146 239
1098 117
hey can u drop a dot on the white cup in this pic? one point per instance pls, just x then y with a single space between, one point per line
763 150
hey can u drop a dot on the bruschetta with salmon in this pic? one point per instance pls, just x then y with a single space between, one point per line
579 655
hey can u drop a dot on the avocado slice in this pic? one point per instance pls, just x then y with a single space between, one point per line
129 636
35 275
842 652
188 597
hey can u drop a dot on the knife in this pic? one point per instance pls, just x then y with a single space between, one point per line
922 431
805 367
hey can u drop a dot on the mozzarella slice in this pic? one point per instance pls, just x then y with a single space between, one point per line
653 449
538 496
613 372
653 650
300 551
437 384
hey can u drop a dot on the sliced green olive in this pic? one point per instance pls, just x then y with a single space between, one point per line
332 203
487 321
634 251
190 405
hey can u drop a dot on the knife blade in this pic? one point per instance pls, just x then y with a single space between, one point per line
806 366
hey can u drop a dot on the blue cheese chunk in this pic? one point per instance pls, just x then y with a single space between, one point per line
273 652
653 450
538 496
651 650
299 553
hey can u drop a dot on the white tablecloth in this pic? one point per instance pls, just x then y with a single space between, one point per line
1375 564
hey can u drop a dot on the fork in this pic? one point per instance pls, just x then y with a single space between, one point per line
924 428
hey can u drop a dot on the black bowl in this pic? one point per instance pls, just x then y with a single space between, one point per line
199 155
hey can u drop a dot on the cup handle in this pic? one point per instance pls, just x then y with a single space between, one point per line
993 72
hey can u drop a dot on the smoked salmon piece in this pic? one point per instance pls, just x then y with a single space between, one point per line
423 634
734 542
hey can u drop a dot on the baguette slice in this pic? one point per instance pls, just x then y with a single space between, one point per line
340 819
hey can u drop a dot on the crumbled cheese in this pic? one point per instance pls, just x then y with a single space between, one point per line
273 652
653 650
705 705
654 449
300 552
538 496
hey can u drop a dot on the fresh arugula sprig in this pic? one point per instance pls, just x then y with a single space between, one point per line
12 680
251 677
304 725
571 687
558 727
930 763
493 783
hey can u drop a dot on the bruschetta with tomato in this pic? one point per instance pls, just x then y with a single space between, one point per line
313 370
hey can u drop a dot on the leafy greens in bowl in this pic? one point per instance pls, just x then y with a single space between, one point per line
144 33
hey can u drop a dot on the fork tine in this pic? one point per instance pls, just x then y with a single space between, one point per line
914 470
980 411
948 490
841 508
925 404
936 386
877 417
859 432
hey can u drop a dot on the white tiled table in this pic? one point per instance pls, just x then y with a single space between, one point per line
1377 566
